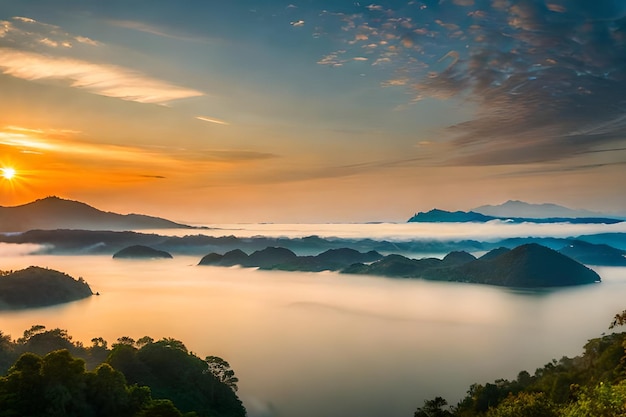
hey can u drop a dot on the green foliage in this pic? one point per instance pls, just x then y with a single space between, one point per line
49 377
524 405
221 370
603 400
160 408
591 385
434 408
36 287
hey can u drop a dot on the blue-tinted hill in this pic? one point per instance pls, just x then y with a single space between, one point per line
442 216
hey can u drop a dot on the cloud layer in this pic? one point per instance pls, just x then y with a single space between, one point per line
548 78
32 50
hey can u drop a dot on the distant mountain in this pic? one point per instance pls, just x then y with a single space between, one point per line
515 208
235 250
38 287
594 254
527 266
442 216
285 260
141 252
56 213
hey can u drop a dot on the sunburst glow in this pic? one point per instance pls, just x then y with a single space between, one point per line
8 173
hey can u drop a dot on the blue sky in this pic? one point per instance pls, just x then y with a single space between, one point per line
313 110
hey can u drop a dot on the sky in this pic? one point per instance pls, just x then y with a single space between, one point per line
208 111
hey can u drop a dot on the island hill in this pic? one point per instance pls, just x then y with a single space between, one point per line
442 216
56 213
141 252
526 266
39 287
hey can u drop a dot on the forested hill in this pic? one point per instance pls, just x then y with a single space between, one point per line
590 385
38 287
442 216
57 213
47 374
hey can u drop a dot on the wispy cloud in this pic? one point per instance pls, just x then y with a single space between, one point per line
547 80
105 80
68 142
212 120
153 30
56 141
33 50
87 41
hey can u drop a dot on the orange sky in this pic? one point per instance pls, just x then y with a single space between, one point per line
290 114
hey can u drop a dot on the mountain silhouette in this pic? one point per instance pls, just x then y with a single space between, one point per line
516 208
57 213
528 266
38 287
442 216
141 252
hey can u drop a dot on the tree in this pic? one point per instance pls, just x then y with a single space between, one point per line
525 405
434 408
106 391
125 340
160 408
618 320
221 370
64 384
22 384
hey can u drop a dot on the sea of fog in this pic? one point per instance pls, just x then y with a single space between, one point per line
492 230
326 344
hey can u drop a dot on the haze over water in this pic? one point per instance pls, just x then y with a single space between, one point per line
326 344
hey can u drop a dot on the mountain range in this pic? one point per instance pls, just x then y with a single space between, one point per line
529 266
516 208
442 216
57 213
526 266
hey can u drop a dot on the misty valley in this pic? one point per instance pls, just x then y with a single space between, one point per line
308 319
312 208
319 343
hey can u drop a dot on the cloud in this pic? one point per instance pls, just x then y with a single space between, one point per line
228 155
105 80
545 80
549 84
87 41
67 143
24 19
212 120
153 30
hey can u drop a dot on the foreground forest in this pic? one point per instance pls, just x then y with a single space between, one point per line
48 374
590 385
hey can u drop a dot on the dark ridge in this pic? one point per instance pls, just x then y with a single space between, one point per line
594 254
39 287
442 216
231 258
494 253
141 252
457 258
57 213
529 266
270 257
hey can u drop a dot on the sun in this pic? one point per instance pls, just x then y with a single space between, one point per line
8 173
